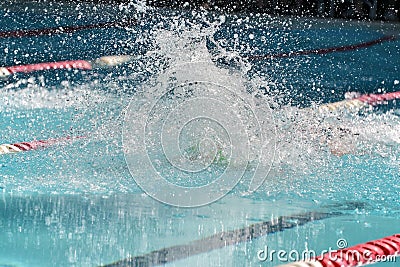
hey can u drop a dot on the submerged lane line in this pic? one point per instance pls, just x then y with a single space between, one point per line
227 238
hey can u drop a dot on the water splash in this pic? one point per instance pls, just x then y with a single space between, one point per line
308 143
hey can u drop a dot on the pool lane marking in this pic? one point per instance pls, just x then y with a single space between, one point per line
102 62
323 51
358 255
225 239
358 102
65 29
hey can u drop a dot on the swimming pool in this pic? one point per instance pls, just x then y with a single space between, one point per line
76 203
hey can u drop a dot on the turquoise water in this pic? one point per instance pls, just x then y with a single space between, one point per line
76 204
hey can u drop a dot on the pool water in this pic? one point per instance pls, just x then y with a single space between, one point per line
77 204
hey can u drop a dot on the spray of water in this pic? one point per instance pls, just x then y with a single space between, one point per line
196 118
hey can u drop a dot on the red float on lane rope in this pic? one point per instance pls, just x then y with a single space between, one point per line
69 64
102 62
359 255
374 99
34 145
360 102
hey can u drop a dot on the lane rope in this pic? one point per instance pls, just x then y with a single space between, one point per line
223 239
110 61
323 51
102 62
34 145
65 29
359 255
356 103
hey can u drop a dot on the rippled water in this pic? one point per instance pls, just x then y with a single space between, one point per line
79 201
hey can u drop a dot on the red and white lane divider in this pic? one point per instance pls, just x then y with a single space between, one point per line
359 102
359 255
34 145
110 61
102 62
